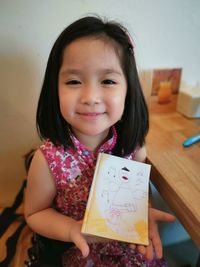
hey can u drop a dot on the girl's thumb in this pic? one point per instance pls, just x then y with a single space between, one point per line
85 251
83 246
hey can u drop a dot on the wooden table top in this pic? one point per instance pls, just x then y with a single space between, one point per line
175 169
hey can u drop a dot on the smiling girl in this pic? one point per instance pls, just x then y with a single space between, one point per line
91 101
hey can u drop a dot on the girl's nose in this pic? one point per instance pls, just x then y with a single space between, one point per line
91 95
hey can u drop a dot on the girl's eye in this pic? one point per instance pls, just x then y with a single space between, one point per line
108 82
73 82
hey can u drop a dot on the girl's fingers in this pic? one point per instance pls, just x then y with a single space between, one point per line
149 251
155 240
157 245
159 215
132 246
141 249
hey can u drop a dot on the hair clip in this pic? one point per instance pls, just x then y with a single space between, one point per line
130 40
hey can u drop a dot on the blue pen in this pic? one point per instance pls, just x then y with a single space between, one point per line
190 141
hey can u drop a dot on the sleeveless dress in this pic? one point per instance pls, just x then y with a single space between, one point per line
73 171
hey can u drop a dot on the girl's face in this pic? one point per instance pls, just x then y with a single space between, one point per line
92 88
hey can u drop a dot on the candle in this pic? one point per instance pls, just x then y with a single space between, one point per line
164 92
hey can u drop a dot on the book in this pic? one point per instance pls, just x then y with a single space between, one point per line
117 206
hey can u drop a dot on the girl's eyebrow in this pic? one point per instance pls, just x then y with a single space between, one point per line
112 71
100 71
70 71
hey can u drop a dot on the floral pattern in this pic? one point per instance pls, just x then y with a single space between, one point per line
73 171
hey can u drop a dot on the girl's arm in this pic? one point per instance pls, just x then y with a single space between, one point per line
141 154
43 219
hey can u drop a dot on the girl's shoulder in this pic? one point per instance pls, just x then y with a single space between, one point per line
52 153
47 145
139 154
50 150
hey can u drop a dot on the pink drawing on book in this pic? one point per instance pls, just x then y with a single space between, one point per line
125 194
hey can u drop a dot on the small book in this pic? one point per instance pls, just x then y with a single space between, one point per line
117 206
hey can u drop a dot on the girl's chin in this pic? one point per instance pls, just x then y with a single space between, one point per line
91 132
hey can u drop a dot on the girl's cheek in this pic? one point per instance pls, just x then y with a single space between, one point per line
118 98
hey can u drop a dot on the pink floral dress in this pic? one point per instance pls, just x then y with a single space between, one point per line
73 170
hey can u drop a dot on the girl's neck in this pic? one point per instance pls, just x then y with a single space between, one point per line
92 142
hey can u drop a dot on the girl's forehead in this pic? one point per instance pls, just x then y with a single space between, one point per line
95 49
104 39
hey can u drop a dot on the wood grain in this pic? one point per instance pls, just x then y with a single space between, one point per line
176 170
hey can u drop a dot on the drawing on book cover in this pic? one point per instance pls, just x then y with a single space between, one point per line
117 206
122 197
121 194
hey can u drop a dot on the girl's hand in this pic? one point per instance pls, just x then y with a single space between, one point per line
78 238
155 244
81 241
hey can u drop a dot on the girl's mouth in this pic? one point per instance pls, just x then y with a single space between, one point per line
91 115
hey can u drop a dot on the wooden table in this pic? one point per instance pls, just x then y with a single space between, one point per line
175 169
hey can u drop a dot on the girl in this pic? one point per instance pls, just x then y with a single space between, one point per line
91 101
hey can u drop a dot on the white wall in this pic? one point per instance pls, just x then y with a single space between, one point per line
166 33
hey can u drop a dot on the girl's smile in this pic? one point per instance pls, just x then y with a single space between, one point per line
92 87
91 115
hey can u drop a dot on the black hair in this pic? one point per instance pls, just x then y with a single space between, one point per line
133 126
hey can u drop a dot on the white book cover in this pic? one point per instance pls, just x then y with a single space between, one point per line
117 206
